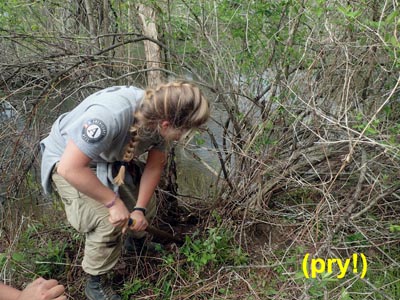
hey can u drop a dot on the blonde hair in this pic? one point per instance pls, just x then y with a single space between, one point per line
180 103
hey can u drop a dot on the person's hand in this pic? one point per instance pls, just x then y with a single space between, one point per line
42 289
119 214
139 221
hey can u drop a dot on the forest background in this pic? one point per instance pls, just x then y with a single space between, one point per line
301 155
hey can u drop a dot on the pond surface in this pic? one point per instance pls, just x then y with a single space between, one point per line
197 162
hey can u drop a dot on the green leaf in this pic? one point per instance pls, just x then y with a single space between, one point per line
299 275
200 141
18 257
389 19
394 228
345 295
3 258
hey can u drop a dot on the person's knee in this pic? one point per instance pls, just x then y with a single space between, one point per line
102 248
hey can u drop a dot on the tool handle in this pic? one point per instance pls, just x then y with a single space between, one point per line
157 232
131 222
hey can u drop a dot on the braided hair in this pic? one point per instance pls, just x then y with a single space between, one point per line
180 103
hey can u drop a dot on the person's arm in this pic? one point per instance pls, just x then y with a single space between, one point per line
156 160
39 289
74 168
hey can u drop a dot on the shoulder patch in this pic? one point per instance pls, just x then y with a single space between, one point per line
94 131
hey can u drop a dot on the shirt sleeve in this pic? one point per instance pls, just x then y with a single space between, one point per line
93 132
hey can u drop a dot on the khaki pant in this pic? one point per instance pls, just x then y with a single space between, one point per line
103 241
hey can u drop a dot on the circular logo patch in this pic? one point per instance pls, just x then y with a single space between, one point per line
93 131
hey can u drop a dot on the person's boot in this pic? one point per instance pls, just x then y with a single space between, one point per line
134 246
99 288
140 246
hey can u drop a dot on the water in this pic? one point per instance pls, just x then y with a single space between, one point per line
194 177
197 163
7 112
10 124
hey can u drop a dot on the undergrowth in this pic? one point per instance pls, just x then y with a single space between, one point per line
211 264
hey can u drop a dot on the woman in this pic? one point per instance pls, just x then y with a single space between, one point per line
89 157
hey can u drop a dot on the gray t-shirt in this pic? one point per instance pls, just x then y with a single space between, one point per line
99 126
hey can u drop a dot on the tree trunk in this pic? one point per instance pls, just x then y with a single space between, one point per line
147 16
106 25
92 24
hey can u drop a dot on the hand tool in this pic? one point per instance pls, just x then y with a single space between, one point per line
158 232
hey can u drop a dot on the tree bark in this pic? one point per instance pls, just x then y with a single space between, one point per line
147 17
92 24
106 25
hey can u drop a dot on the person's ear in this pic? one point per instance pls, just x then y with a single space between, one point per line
165 124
